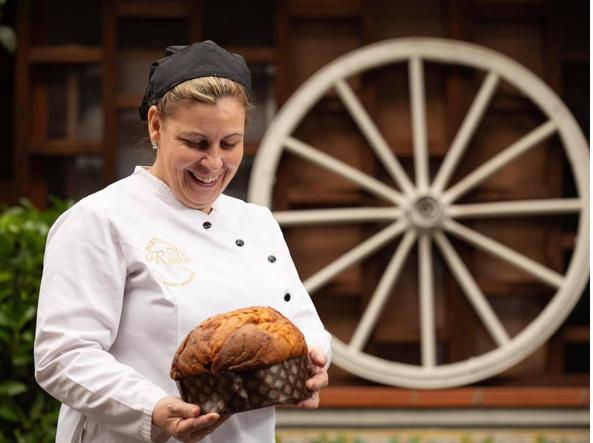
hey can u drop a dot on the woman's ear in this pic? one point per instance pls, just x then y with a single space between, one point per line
154 124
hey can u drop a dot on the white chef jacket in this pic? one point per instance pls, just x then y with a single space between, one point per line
128 272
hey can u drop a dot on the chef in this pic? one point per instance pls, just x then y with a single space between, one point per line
131 269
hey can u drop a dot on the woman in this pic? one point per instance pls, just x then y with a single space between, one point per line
130 270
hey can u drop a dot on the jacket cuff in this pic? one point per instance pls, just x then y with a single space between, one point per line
149 432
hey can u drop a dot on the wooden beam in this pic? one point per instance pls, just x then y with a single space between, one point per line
255 55
65 54
282 46
64 147
494 397
159 9
327 9
21 100
511 11
196 21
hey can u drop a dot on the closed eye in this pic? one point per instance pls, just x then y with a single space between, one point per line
195 144
228 145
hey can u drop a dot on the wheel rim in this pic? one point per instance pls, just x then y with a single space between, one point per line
425 212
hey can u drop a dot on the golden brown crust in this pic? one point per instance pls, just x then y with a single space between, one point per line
240 340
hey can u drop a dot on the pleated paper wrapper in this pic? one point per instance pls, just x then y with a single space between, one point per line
228 392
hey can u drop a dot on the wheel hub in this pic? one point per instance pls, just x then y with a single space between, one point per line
425 212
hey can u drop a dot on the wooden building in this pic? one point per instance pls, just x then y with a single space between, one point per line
80 70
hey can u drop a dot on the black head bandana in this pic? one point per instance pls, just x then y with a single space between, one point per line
182 63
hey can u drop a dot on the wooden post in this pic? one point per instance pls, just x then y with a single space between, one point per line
109 91
196 21
461 344
21 100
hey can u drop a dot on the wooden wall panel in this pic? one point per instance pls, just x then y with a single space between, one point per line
406 19
521 41
314 44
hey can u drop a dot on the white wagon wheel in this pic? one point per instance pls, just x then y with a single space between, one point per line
427 212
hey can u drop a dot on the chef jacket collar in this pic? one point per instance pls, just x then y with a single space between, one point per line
166 193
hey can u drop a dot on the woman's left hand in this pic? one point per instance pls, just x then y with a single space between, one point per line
319 380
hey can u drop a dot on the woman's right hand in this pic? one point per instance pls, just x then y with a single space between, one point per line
183 420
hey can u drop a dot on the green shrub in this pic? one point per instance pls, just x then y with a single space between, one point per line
27 413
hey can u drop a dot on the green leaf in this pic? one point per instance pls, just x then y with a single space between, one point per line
6 319
28 336
27 414
37 406
6 276
26 315
9 411
5 338
12 387
20 359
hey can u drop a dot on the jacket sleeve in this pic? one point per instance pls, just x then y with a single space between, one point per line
80 303
305 315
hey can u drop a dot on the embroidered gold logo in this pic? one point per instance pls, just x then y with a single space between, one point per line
169 263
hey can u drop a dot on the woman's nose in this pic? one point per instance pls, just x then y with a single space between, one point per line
213 160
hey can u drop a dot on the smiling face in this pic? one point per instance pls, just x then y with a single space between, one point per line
200 147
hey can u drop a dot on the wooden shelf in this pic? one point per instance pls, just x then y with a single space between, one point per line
67 54
490 397
160 9
65 147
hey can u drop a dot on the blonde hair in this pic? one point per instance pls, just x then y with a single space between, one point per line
203 90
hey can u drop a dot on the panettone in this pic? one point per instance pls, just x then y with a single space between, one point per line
243 359
240 340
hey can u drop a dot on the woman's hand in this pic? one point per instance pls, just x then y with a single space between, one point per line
183 420
319 379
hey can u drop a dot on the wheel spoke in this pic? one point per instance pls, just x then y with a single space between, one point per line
355 255
373 136
472 291
328 162
427 323
516 208
341 215
505 253
418 106
381 294
466 132
491 166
